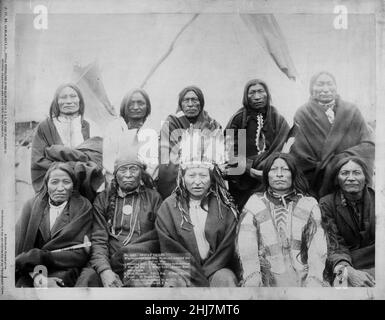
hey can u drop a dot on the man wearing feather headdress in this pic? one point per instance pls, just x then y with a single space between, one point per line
198 221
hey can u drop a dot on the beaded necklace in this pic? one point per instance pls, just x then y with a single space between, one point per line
126 210
260 135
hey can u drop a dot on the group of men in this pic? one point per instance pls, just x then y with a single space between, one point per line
187 209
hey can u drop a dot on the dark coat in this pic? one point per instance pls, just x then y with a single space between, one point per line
106 246
35 241
319 146
346 242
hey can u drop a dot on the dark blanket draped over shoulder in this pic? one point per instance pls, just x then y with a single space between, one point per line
107 251
86 159
35 241
275 130
176 237
319 146
346 241
168 170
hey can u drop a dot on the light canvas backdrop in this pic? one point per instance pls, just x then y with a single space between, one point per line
216 52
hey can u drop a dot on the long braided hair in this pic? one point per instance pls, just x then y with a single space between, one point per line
217 188
146 181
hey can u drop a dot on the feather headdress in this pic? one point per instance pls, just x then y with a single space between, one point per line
202 148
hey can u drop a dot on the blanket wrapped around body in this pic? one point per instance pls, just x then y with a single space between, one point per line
319 145
178 243
275 130
347 241
35 242
86 158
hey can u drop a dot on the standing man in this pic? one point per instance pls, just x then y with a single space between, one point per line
329 129
129 131
65 136
190 113
266 132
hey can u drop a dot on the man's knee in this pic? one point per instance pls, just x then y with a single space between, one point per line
223 278
89 278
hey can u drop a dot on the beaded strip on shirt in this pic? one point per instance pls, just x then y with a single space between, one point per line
282 222
260 135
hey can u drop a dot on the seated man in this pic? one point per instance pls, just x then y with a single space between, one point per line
197 222
124 223
51 223
349 218
280 241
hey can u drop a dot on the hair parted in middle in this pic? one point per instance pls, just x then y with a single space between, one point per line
253 82
217 189
54 110
127 100
146 182
344 161
194 89
316 76
299 182
63 166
